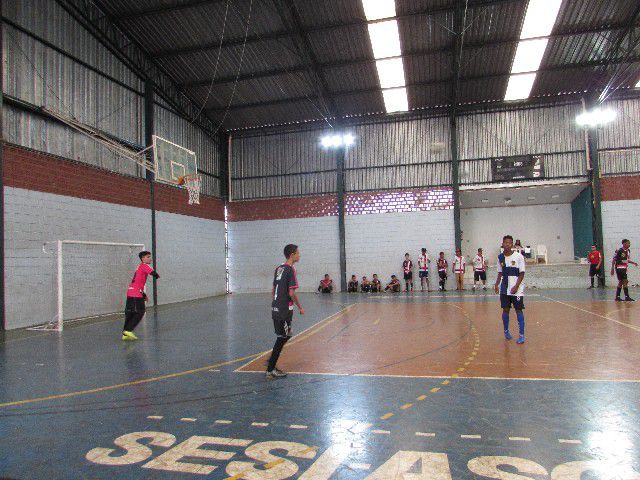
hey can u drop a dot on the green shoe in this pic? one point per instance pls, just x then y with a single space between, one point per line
127 339
130 335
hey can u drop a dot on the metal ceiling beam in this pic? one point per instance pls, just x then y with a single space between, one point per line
166 9
446 81
316 29
91 15
306 52
365 60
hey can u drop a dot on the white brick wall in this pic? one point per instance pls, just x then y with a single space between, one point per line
32 217
256 248
621 219
191 257
532 224
376 243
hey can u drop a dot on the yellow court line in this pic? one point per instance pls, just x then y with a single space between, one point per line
127 384
421 397
386 416
633 327
406 405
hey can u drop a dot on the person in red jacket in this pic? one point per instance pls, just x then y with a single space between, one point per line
595 264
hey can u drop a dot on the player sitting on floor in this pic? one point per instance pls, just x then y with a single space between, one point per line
326 284
394 284
365 285
376 284
353 285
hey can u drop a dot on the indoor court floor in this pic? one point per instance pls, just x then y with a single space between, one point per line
406 386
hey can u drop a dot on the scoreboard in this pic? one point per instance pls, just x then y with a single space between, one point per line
522 167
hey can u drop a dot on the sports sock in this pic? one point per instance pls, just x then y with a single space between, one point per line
520 316
618 292
505 321
626 292
592 281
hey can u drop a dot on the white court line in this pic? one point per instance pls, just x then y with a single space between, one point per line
424 434
298 427
360 466
632 327
564 440
224 422
520 439
475 437
187 419
259 424
155 417
381 432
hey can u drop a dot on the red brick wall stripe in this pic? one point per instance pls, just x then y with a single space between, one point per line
625 187
392 201
33 170
279 208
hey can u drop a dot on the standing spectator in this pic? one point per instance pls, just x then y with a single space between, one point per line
621 261
423 269
443 266
459 265
326 284
480 270
353 285
407 268
518 247
595 263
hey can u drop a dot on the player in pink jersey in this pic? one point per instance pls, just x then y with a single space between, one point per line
136 296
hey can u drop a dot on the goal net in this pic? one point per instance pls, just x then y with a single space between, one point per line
91 278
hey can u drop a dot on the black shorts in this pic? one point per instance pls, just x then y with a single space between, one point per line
507 300
424 274
134 305
408 276
479 276
282 323
593 270
621 273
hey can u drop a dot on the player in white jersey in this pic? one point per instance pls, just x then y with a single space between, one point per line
459 267
480 270
510 286
423 269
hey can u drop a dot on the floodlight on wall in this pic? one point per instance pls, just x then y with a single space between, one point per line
336 141
596 117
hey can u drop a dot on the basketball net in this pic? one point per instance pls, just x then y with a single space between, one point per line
192 183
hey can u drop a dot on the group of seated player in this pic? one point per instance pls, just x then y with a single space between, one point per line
394 285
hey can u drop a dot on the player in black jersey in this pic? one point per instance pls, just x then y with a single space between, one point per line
284 297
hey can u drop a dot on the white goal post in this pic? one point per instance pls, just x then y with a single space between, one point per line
58 321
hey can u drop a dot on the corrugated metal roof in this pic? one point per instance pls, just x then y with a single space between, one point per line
338 37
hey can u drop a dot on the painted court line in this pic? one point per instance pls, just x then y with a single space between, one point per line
520 439
360 466
298 427
259 424
632 327
224 422
381 432
421 397
386 416
155 417
425 434
564 440
475 437
188 419
406 405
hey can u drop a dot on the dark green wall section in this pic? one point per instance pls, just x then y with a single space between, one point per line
582 217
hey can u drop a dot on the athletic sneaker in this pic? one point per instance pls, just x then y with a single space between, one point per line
520 340
276 373
131 335
484 288
618 299
629 299
589 288
127 338
507 335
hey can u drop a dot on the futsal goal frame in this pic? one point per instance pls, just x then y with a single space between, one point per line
57 324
